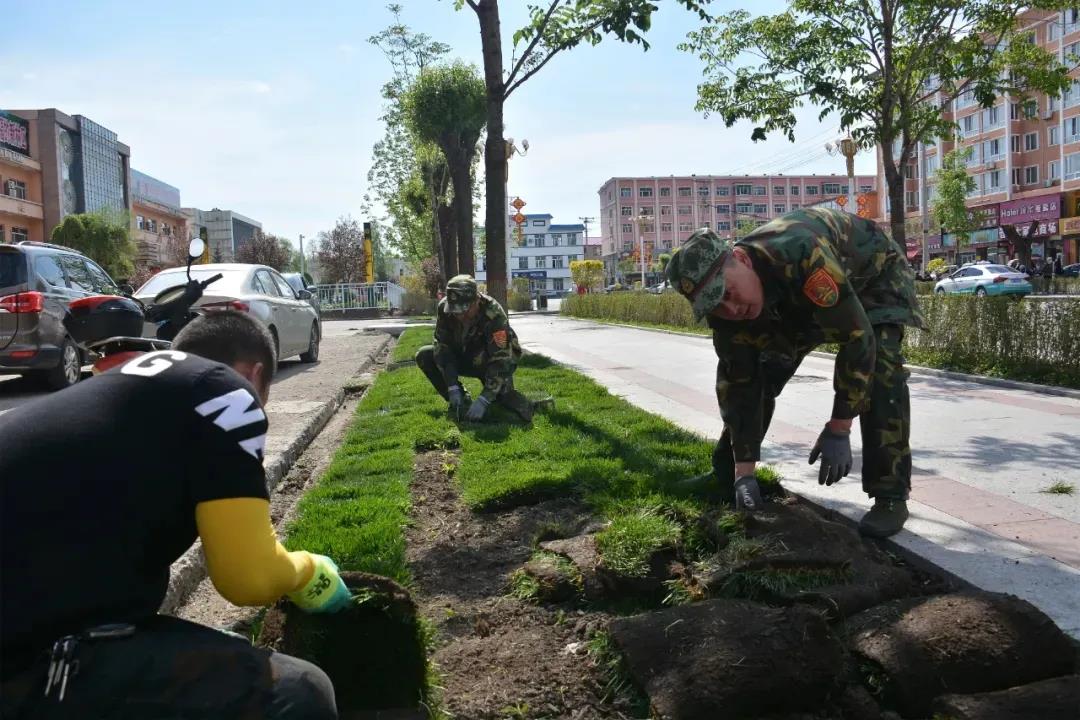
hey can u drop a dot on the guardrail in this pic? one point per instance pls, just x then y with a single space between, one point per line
360 296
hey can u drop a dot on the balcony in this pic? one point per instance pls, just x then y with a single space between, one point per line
24 208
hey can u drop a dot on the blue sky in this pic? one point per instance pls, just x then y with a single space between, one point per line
271 108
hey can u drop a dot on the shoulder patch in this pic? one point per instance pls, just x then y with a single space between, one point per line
499 336
821 289
687 286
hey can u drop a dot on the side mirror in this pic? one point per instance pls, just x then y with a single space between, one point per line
304 295
126 289
196 248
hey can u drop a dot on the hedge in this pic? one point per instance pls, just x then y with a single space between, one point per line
1034 340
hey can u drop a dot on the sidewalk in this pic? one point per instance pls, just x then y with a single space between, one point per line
982 455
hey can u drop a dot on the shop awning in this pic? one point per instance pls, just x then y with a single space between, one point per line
913 254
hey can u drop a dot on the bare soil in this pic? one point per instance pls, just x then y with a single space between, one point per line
498 656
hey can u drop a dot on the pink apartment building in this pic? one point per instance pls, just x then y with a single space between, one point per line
678 205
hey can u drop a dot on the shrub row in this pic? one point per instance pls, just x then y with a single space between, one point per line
1034 340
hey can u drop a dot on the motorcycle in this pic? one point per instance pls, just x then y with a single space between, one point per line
109 327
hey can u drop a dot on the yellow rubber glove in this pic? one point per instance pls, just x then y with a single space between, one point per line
325 592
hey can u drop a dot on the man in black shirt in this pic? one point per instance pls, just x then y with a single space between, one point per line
103 486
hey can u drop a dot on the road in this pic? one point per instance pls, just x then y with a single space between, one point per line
983 456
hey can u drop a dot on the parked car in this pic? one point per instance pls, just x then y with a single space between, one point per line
1071 270
615 288
255 289
37 281
298 282
984 279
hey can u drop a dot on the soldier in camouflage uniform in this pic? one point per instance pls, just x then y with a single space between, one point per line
810 277
473 338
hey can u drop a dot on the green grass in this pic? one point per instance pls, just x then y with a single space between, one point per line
410 341
628 543
618 682
525 587
1061 488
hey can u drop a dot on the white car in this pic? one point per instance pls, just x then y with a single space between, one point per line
255 289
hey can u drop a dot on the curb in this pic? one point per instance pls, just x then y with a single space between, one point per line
190 569
916 369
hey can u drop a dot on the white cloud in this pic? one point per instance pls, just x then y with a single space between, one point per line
259 88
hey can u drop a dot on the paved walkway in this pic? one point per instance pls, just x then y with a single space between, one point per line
982 455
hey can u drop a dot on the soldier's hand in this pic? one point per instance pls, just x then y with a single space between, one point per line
748 494
835 451
457 400
478 409
325 592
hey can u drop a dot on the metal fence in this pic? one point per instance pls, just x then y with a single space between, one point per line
360 296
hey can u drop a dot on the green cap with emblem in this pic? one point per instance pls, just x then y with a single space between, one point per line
696 270
461 292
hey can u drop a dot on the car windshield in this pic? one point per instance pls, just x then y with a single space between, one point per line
172 278
997 269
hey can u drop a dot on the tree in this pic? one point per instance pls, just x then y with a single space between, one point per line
562 25
265 249
937 266
950 202
340 253
662 260
884 69
104 237
743 227
446 106
588 274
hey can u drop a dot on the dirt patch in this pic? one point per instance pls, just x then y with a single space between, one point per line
917 649
730 658
373 652
1056 699
498 656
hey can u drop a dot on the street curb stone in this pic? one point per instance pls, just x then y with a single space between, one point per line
190 569
917 369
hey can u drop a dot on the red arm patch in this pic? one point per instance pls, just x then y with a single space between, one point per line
499 336
821 289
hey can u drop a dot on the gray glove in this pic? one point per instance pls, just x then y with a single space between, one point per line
748 494
457 401
835 451
477 409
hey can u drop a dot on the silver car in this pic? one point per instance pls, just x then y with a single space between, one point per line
255 289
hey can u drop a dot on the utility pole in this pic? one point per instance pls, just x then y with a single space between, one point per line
585 221
303 260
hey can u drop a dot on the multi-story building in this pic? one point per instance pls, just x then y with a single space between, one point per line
545 255
156 218
226 230
677 205
1024 155
52 165
593 248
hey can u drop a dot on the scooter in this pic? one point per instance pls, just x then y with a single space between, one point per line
109 327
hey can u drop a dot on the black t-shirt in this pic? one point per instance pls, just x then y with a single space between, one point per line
99 483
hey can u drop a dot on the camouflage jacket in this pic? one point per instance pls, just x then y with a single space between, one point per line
486 347
828 277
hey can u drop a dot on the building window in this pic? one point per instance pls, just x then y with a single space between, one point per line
795 206
867 188
556 239
139 222
723 226
685 192
557 262
968 126
994 180
626 210
1054 133
1072 166
966 100
16 189
1031 141
723 190
703 191
665 209
1017 173
523 262
778 209
541 261
1014 143
910 199
743 208
992 117
2 236
1053 170
993 149
627 228
723 209
648 227
557 284
1031 175
811 190
538 223
707 225
647 210
831 188
644 192
165 229
625 192
687 227
743 190
665 227
1072 129
684 209
760 208
795 190
665 192
778 190
571 239
19 235
760 190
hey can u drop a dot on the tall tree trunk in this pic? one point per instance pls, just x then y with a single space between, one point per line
1021 244
494 150
461 175
894 185
448 232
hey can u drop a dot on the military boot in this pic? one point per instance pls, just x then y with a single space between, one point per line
886 518
708 487
543 404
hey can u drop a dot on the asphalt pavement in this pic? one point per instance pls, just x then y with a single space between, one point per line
983 456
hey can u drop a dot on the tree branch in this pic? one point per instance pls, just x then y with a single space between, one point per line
474 6
552 53
532 44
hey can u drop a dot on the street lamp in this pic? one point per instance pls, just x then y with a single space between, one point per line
511 150
846 146
640 221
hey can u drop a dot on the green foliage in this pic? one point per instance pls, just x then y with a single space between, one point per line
588 273
629 542
618 680
937 265
1061 488
1037 341
104 237
518 298
950 202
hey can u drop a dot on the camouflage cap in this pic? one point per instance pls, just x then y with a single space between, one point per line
695 270
461 291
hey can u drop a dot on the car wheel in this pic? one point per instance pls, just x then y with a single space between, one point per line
67 372
939 291
312 354
277 344
980 291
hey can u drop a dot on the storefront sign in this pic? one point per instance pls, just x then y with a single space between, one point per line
531 274
984 216
1070 226
14 133
1044 207
1043 229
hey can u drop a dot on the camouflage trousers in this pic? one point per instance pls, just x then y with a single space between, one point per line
509 397
885 427
172 669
